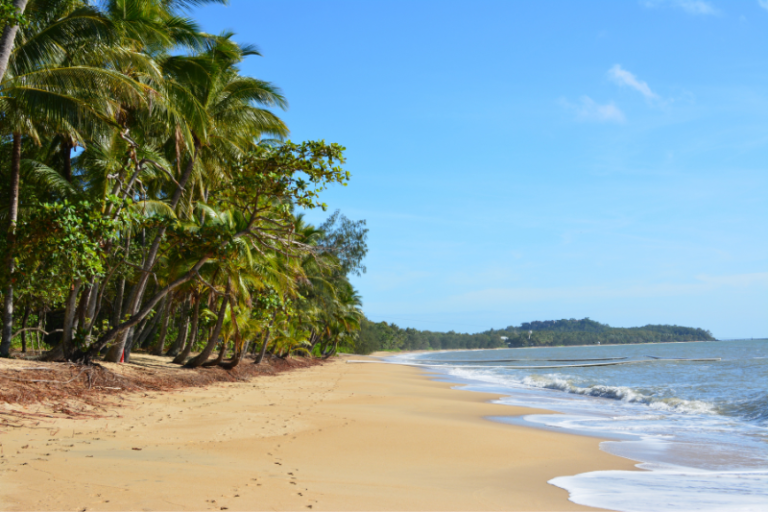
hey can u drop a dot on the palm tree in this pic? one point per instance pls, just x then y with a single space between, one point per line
219 115
9 35
174 157
39 95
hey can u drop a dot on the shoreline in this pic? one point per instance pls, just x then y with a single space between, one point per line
384 353
330 437
691 450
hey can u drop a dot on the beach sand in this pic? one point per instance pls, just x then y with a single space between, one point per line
332 437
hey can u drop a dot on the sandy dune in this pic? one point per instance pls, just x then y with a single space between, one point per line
334 437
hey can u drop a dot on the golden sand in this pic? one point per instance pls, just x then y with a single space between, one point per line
332 437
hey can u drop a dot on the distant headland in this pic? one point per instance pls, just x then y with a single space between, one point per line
385 336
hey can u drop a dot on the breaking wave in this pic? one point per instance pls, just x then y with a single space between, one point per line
625 394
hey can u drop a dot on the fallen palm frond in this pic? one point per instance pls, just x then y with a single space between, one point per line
76 391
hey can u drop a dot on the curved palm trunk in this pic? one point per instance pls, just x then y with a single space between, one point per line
94 305
220 357
168 311
8 37
181 339
242 353
82 308
13 215
136 298
333 350
237 357
314 339
193 334
141 336
65 349
87 357
265 344
202 358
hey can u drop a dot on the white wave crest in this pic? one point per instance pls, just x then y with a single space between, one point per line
625 394
559 383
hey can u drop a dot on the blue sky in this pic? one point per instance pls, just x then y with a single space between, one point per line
537 160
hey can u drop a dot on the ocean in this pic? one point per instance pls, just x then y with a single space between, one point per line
698 429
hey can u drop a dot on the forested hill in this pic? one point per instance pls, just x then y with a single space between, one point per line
384 336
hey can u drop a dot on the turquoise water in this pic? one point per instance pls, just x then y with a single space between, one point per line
700 428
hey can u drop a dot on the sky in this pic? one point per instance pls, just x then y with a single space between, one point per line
537 160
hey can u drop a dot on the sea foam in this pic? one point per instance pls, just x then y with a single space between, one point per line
697 430
668 489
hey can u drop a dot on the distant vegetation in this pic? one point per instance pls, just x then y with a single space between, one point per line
384 336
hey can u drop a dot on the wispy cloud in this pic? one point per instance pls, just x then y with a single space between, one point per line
589 110
763 4
624 78
697 7
736 280
701 284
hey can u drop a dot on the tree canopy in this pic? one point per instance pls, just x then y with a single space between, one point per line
150 194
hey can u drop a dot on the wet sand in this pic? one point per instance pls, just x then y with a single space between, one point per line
332 437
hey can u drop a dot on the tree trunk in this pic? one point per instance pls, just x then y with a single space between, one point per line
222 351
206 353
182 357
115 352
137 293
65 349
314 338
118 349
236 356
130 338
150 327
243 352
8 38
13 215
265 344
93 302
23 333
110 335
333 350
181 338
148 333
117 305
40 325
168 312
66 155
82 308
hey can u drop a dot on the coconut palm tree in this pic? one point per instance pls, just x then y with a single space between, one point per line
40 94
228 124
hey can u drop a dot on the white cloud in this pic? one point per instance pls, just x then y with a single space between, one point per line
697 7
589 110
623 77
763 4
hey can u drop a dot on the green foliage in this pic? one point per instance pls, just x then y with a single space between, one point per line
10 15
383 336
174 197
295 173
346 240
61 243
589 332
